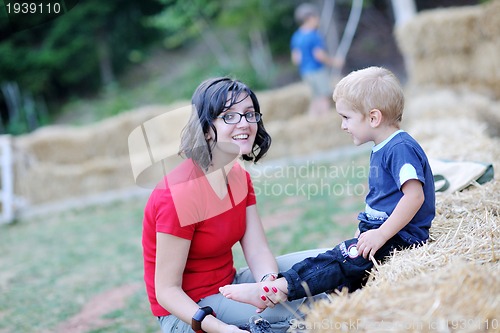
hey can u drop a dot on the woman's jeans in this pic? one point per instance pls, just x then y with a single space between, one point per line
236 313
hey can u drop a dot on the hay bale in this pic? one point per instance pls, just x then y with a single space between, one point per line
489 21
443 69
284 103
440 31
66 144
485 62
453 46
454 124
451 283
302 135
58 162
49 182
460 296
430 103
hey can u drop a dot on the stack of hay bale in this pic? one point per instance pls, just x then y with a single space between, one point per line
60 162
452 283
454 47
294 132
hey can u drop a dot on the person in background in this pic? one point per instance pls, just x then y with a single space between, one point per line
400 205
308 52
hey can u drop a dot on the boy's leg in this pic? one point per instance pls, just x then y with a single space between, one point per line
333 269
285 262
321 92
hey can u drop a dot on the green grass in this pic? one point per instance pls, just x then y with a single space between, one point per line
52 266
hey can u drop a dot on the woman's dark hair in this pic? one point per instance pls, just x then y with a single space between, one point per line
210 99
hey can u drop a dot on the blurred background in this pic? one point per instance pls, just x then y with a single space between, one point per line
100 59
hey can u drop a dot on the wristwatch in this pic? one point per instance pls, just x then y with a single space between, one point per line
199 316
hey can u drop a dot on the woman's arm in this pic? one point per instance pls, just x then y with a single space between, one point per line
258 256
171 256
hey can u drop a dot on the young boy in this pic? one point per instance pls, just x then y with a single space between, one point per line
400 204
310 55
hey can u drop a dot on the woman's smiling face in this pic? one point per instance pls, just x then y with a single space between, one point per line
235 138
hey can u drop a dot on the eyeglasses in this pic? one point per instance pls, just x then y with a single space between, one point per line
232 117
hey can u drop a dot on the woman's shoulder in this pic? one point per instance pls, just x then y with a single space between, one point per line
185 171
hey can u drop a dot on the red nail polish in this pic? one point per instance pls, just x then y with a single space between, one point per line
274 290
266 289
263 297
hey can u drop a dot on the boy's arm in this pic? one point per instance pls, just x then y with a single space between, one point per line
409 204
322 56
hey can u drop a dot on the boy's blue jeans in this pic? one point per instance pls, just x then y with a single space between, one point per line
336 268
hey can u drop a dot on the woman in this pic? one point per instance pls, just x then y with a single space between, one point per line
201 209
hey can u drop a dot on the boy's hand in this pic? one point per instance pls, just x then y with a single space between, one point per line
370 241
338 62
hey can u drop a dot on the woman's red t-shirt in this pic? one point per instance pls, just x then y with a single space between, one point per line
186 206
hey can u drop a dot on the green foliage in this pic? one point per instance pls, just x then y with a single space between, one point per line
246 23
25 112
65 56
157 90
273 17
183 21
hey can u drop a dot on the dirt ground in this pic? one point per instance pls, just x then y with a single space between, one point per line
91 316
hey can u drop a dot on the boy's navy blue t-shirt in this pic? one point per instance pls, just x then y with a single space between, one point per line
392 162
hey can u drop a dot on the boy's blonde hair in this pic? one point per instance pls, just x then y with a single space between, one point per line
373 88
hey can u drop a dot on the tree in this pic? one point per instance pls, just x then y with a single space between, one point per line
249 21
404 10
80 51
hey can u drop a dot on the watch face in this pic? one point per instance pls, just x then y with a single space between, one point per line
199 316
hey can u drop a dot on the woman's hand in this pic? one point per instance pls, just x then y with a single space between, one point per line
273 295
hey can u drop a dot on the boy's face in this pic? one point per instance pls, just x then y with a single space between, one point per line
354 123
312 21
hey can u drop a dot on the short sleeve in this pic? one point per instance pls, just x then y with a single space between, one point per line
405 164
167 219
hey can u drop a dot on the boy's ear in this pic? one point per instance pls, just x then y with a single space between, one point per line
375 118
